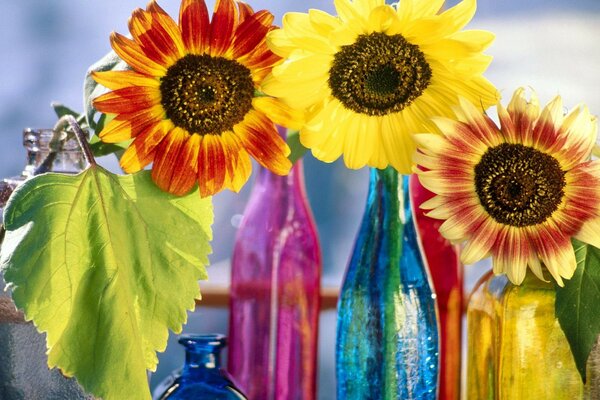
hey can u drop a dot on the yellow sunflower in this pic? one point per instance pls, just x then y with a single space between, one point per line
190 99
518 192
376 73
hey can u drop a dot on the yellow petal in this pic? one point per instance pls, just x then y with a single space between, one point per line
382 18
358 142
590 232
278 112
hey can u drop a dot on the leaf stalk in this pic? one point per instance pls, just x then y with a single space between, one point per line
81 139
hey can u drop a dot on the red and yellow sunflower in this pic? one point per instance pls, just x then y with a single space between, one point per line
519 192
191 100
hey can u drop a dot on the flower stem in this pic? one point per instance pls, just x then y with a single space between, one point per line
81 139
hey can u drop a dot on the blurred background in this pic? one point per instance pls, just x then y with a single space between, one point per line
47 46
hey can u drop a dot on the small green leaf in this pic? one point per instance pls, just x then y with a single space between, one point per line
297 149
61 110
105 265
577 304
99 148
91 89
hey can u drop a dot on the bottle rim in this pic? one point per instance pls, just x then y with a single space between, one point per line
38 139
210 339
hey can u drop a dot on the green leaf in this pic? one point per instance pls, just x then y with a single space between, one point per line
297 149
577 304
91 89
99 148
105 264
61 110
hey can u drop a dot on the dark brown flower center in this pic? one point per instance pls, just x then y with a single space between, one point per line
519 185
206 95
379 74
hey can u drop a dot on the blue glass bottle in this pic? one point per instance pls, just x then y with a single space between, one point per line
201 377
387 332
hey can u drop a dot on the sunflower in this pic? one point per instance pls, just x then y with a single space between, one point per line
519 192
190 100
376 73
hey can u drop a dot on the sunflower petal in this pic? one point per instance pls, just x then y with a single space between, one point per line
251 32
278 112
195 25
358 141
258 136
481 243
238 165
127 99
141 151
222 27
135 57
175 162
152 38
122 79
126 126
212 167
245 10
168 28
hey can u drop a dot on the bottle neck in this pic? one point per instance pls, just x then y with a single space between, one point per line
202 354
389 191
46 154
281 184
277 185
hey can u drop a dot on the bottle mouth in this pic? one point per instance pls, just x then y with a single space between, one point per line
38 139
211 339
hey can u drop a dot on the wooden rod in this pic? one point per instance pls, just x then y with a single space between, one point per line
218 296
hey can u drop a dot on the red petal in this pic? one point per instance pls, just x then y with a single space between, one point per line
222 27
251 32
151 42
239 166
245 10
168 28
127 100
125 126
260 138
141 152
212 165
195 25
176 162
134 56
260 58
121 79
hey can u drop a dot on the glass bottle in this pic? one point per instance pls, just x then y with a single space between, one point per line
516 347
23 362
387 333
275 292
201 377
447 276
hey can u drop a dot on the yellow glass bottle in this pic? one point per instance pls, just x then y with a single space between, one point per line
516 348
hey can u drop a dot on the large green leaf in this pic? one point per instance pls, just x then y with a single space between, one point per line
577 304
105 264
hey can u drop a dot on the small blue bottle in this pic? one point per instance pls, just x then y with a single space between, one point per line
201 377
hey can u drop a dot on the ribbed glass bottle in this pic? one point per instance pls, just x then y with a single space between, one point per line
387 332
516 347
24 373
275 292
447 276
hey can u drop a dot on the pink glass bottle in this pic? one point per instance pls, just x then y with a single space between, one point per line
447 275
275 292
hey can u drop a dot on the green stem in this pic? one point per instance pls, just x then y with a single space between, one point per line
81 139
